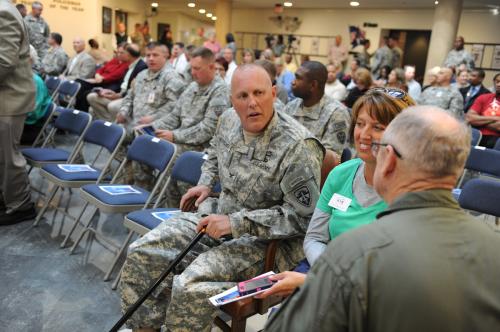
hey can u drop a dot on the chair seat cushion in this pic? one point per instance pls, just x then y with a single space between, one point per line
73 176
45 154
124 199
145 217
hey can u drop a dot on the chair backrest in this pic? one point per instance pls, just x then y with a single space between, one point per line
187 167
67 92
346 155
497 145
73 121
52 83
151 151
105 134
481 195
475 136
484 160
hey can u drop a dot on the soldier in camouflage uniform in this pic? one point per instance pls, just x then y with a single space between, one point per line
56 59
458 56
269 170
444 95
192 123
154 94
323 116
38 29
382 57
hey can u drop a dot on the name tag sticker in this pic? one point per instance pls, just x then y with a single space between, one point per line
42 30
151 98
340 202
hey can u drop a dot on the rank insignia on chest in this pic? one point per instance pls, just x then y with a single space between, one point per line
303 196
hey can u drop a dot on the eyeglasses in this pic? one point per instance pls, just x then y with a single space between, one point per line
375 147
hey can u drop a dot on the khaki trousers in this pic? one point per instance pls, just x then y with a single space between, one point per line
102 108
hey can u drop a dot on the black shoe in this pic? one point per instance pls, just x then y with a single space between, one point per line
17 216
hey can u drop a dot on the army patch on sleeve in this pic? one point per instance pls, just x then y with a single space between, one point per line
303 196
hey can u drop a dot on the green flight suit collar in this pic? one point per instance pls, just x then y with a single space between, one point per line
422 199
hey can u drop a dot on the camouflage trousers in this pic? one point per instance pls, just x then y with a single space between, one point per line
182 300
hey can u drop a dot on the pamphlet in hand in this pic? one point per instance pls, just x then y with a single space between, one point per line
164 215
74 168
119 190
232 294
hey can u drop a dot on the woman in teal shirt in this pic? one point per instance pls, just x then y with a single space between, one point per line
348 199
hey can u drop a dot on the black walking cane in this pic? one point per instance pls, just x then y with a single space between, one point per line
151 289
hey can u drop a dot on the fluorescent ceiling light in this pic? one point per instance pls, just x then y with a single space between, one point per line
191 5
354 3
202 11
154 4
287 4
214 18
209 14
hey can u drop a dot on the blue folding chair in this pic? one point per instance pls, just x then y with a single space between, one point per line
103 134
49 118
476 136
146 150
52 83
497 145
481 195
74 123
187 168
66 93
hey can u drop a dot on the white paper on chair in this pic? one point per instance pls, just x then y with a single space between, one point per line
232 294
119 190
72 168
164 215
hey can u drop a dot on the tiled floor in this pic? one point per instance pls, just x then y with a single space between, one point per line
44 288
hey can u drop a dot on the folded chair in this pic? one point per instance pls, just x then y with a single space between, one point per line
146 150
481 195
103 134
75 123
483 160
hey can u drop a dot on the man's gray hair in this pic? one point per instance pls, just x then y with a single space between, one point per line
430 140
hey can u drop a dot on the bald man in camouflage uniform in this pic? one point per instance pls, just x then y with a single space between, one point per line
323 116
269 170
444 95
38 29
154 94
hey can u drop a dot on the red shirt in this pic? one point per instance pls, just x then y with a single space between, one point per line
113 71
487 105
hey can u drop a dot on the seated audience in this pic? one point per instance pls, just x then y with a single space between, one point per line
178 58
333 87
281 95
228 54
154 94
56 59
414 88
348 80
109 76
485 115
221 67
192 122
284 77
364 82
475 89
248 56
269 170
212 44
383 57
443 95
432 77
106 103
82 65
95 52
424 264
461 79
351 181
327 119
290 65
397 79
